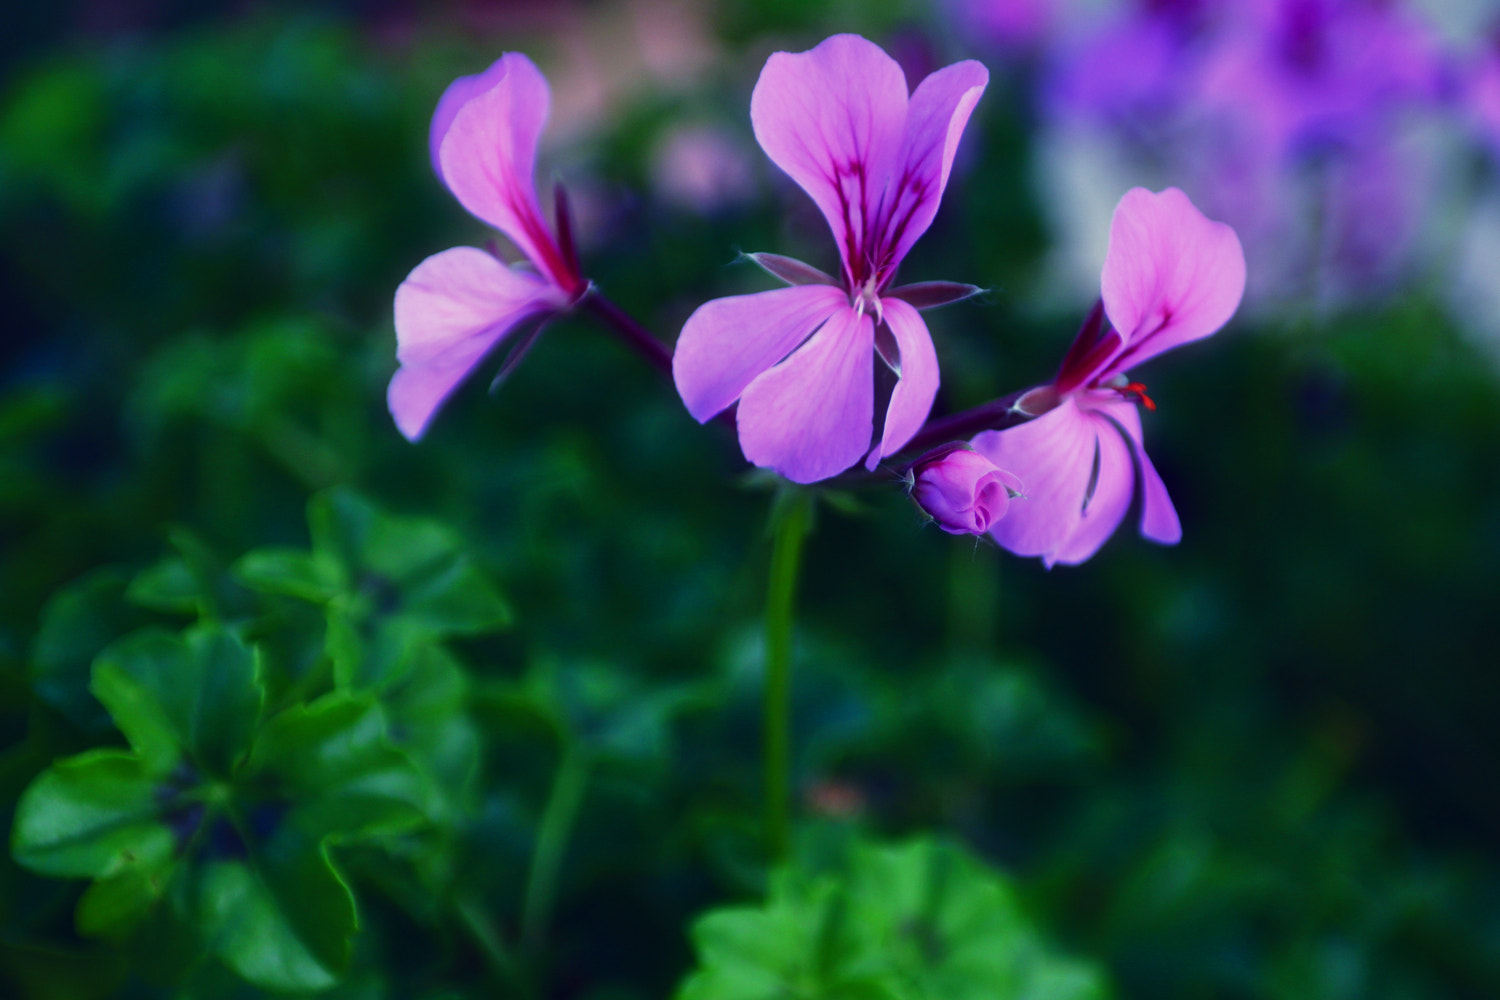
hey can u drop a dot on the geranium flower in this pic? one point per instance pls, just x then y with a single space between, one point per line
1170 276
800 360
457 305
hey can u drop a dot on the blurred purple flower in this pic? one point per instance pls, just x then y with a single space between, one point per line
1482 95
700 169
1290 117
1171 276
457 305
1296 72
800 360
1010 24
962 491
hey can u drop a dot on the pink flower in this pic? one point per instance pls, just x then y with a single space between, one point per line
962 491
800 360
1170 276
457 305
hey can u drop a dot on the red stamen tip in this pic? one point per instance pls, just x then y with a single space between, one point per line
1138 390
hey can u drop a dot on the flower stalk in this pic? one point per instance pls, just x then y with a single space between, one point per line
791 521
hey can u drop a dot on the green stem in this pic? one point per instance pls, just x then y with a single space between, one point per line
791 521
552 836
486 935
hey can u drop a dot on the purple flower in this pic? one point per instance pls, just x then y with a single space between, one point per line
800 360
457 305
962 491
1170 276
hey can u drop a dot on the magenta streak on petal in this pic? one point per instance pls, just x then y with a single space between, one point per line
1073 371
552 262
832 118
893 232
488 156
1170 275
1139 349
1089 366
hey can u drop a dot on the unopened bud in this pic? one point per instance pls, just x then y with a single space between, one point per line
962 491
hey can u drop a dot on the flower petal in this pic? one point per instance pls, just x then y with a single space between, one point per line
832 118
1171 275
450 311
935 120
1052 455
810 417
458 94
912 398
1077 477
728 342
1159 520
1109 502
488 156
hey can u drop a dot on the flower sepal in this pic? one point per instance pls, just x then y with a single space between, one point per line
931 294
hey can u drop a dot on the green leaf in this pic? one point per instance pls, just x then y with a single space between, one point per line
91 815
609 710
198 695
117 903
293 572
169 586
428 717
79 621
284 922
332 760
350 529
923 921
404 566
457 598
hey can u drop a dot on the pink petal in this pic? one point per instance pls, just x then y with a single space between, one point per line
1052 455
1170 275
1158 517
935 120
832 118
810 417
728 342
1159 520
450 311
488 156
912 399
1058 516
1110 501
458 94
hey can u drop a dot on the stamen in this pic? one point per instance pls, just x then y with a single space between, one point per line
1138 390
1126 388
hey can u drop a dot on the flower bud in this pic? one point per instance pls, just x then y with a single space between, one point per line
961 490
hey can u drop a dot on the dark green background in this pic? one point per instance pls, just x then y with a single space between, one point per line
1259 764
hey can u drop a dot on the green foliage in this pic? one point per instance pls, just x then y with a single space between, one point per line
389 586
221 818
923 920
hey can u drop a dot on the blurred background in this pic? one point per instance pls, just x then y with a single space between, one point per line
1262 763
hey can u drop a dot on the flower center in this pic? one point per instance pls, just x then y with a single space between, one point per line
867 300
